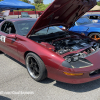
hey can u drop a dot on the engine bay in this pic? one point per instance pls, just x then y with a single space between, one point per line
66 42
71 44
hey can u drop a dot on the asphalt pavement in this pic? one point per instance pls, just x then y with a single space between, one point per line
16 84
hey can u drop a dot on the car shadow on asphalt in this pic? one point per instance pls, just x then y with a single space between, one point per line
47 80
84 87
4 98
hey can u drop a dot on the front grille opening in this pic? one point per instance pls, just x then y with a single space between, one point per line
96 72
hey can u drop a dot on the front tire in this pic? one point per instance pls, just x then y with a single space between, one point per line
95 36
35 67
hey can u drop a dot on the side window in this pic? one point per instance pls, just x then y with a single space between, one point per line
8 28
3 28
93 17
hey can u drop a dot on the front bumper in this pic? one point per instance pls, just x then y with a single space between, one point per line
60 76
56 71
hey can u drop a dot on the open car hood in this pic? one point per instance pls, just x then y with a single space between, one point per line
62 12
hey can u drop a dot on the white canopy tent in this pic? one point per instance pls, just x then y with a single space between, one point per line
95 8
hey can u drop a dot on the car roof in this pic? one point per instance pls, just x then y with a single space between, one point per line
21 19
92 15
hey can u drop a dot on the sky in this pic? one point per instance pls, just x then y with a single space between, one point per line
45 1
48 1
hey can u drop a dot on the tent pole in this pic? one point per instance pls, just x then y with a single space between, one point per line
18 13
35 12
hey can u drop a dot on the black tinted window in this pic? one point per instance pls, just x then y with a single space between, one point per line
94 17
8 28
23 27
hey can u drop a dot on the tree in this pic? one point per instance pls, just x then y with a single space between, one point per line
98 3
38 1
25 1
0 0
29 2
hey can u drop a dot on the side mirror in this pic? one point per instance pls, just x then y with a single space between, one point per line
13 36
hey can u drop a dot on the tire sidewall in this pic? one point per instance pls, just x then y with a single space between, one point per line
42 69
94 34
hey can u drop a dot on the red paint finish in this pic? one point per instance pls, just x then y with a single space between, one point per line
60 76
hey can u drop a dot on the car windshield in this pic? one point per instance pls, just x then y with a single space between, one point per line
23 27
52 29
83 21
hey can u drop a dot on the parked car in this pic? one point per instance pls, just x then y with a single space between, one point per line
48 51
25 15
94 17
86 27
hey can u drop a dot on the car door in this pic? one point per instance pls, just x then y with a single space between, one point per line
82 29
9 44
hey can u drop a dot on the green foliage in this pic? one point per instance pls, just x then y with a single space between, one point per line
24 1
38 1
98 3
25 10
40 6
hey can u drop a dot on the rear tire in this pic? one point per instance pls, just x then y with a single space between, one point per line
35 67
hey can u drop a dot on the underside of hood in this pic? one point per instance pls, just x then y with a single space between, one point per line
62 12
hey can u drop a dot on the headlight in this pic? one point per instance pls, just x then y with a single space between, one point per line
73 58
68 59
82 55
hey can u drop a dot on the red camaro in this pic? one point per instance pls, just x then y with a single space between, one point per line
48 51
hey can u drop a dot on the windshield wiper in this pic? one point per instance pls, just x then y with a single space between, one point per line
24 35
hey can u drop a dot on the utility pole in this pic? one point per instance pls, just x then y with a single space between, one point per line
40 1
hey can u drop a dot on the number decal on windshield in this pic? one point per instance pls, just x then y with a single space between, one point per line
2 38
